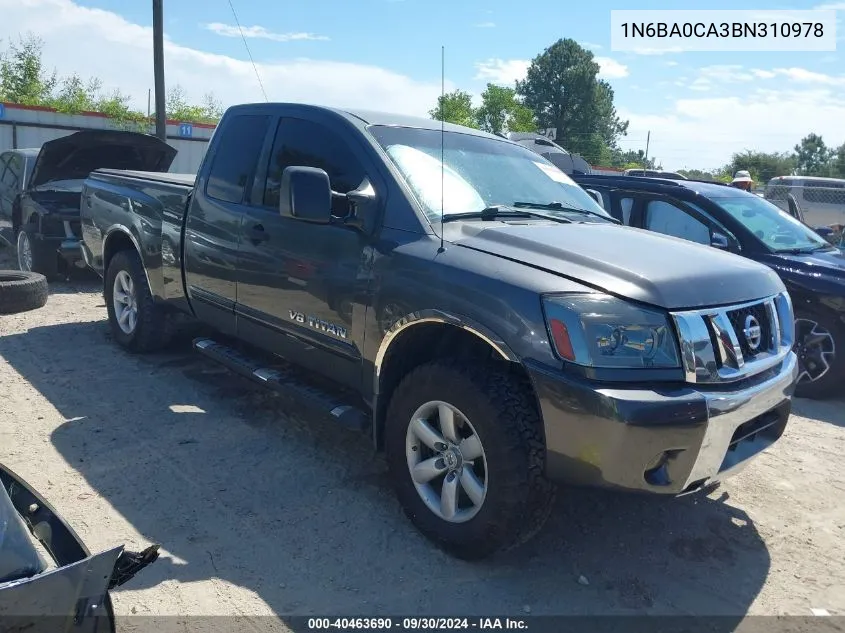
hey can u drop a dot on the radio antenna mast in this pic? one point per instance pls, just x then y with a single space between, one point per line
442 137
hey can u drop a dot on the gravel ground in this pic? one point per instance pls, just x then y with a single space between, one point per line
259 512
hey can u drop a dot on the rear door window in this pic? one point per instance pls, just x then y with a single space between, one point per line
668 219
236 156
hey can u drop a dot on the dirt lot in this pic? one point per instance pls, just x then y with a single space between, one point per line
261 512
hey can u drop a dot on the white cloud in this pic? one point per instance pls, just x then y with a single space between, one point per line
703 132
802 75
763 74
671 63
505 72
508 71
834 6
485 25
259 32
592 46
610 68
103 44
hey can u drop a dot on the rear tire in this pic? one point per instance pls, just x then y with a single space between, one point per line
820 346
506 497
22 291
137 322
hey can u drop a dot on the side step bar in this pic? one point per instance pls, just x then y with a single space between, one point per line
285 382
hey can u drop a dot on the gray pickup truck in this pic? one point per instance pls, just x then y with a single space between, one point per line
458 297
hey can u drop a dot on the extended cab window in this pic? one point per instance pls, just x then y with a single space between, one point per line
236 156
301 143
668 219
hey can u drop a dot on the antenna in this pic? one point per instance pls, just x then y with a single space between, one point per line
442 138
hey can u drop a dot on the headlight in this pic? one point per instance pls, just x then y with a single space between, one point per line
597 330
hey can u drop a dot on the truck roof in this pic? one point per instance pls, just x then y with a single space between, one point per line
375 117
672 187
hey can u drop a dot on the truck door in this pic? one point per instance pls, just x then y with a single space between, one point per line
213 225
302 287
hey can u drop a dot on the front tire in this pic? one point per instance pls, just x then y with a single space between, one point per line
137 322
820 346
465 449
34 256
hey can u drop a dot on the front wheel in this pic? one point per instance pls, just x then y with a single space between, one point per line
820 347
34 256
465 449
137 322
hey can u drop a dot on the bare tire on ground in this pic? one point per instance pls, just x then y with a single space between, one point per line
21 291
820 346
464 444
137 323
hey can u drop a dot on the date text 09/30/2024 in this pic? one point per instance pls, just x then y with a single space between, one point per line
417 624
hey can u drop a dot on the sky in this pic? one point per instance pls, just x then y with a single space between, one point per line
696 108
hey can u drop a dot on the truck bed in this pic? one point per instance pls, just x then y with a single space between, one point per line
148 209
186 180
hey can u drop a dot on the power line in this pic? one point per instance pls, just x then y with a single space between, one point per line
248 52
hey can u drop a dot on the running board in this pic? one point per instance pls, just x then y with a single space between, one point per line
286 382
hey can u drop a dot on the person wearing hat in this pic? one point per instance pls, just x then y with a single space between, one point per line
742 180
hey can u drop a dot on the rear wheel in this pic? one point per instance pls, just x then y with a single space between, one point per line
820 347
137 322
465 449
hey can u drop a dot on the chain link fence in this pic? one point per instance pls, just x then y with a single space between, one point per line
819 204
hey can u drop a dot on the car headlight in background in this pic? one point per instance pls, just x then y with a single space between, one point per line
598 330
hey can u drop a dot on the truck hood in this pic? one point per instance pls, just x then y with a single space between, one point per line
641 265
825 266
74 156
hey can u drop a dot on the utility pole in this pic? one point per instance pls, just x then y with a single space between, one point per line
647 140
158 69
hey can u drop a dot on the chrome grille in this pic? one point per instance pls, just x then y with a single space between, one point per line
729 343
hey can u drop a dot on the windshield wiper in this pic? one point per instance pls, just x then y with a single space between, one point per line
496 211
554 206
805 250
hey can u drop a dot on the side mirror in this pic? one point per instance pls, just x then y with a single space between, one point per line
596 196
717 240
306 194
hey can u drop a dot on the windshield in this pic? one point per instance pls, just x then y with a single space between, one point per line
779 231
477 173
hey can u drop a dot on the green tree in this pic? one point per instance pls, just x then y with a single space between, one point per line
632 159
77 96
501 112
813 156
563 90
178 108
23 78
762 165
837 167
455 107
698 174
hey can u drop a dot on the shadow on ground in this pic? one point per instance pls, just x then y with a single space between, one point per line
831 411
303 514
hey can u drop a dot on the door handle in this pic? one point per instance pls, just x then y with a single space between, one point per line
258 234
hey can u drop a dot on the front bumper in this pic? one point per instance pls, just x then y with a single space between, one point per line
63 234
666 441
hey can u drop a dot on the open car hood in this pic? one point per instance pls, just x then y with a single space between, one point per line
75 156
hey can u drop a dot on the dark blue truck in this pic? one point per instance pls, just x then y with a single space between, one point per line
733 220
457 297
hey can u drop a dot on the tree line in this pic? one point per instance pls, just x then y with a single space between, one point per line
25 80
562 91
